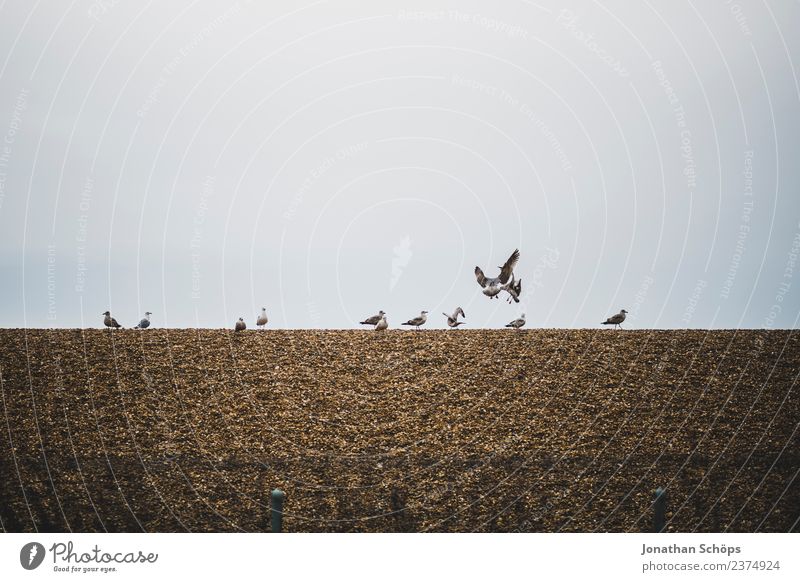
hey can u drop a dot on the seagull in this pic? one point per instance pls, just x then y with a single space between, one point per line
417 321
517 323
240 325
382 323
452 320
514 288
492 287
110 321
616 320
374 319
145 322
262 319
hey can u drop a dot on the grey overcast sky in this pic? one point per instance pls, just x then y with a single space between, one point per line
325 160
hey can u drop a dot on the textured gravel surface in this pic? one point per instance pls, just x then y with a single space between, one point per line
466 430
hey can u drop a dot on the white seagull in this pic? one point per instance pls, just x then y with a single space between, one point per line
145 321
517 323
110 321
382 323
452 320
417 321
240 325
493 286
616 320
262 319
374 319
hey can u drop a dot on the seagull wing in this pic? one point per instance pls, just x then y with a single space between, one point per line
480 277
508 268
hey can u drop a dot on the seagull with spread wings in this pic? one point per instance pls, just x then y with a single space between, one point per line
452 320
493 286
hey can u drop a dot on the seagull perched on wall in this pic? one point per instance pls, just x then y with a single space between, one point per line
517 323
240 325
616 320
493 286
144 323
262 319
382 323
110 321
452 320
417 321
374 319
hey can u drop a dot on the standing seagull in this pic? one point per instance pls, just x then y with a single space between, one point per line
382 323
262 319
374 319
492 287
517 323
145 321
110 321
616 320
240 325
417 321
452 320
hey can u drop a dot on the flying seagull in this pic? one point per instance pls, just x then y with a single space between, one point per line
514 288
616 320
262 319
452 320
145 321
493 286
382 323
110 321
517 323
240 325
417 321
374 319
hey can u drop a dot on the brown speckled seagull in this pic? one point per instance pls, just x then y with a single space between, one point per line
616 320
110 321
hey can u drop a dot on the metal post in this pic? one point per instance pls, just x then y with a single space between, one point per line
276 513
660 510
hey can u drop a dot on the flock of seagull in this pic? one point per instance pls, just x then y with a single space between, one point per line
491 287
